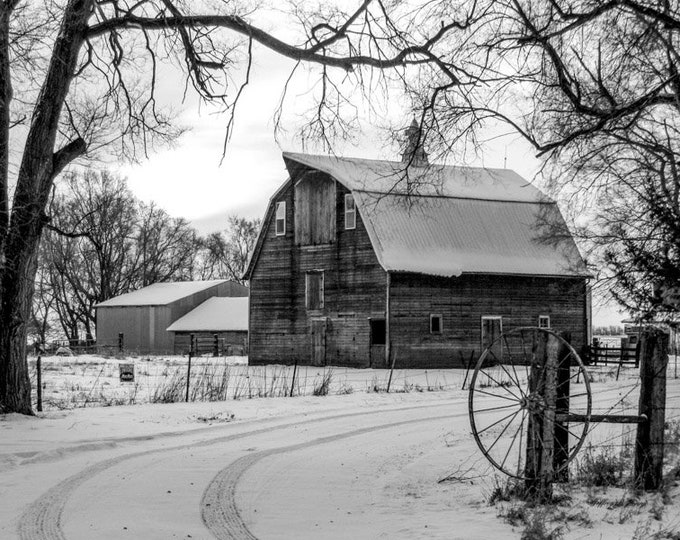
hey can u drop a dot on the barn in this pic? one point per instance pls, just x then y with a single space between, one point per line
364 262
143 316
218 325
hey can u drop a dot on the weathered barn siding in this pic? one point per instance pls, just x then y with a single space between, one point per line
315 214
354 291
464 300
228 342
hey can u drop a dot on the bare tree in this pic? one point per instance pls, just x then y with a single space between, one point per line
226 255
166 247
80 75
89 252
102 242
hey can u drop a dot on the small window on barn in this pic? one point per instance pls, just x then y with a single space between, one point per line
281 218
435 324
314 290
350 212
544 321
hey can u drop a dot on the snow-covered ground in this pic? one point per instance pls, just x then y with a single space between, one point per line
355 464
90 380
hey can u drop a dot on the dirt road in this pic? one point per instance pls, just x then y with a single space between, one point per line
328 475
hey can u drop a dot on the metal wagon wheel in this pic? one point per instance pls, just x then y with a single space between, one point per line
507 399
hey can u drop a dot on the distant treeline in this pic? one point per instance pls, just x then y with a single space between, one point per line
607 330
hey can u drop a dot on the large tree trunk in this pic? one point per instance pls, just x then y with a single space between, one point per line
15 312
40 164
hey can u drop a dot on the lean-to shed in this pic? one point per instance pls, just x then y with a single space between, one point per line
218 324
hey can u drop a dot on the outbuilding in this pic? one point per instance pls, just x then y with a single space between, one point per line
219 325
140 319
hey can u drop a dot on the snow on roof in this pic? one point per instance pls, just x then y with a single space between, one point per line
216 314
447 236
161 294
391 177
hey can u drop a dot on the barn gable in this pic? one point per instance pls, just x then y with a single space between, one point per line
435 220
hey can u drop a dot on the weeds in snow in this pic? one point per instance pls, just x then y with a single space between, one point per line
321 387
604 466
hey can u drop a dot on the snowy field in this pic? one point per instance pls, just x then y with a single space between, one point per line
351 464
89 380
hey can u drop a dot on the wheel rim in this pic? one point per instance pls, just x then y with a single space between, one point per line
502 407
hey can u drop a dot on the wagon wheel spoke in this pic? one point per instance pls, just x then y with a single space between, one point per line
495 423
512 364
518 431
498 438
502 385
480 391
495 408
515 380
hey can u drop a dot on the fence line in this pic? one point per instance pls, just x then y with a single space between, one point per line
69 382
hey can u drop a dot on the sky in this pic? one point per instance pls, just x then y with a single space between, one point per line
191 180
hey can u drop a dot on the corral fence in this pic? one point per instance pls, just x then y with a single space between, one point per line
602 354
202 345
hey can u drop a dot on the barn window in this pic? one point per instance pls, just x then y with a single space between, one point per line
350 212
314 290
544 321
435 324
281 218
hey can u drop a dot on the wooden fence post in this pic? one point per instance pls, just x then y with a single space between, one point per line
191 352
389 382
541 425
216 346
650 434
292 383
38 369
120 341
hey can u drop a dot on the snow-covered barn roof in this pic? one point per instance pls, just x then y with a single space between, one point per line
445 220
216 314
390 177
161 294
447 236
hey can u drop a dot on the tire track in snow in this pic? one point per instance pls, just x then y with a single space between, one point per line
218 505
42 519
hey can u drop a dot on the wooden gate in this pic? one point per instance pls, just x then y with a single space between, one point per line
318 341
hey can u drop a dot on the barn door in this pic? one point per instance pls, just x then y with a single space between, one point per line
377 343
492 327
318 336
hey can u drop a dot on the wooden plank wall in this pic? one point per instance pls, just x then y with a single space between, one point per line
464 300
315 217
354 283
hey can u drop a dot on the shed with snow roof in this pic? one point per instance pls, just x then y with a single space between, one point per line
361 262
218 325
143 316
